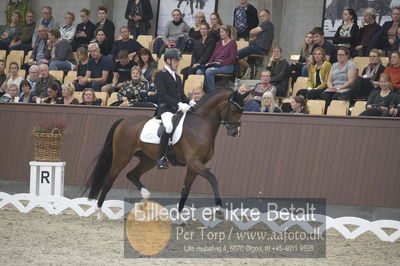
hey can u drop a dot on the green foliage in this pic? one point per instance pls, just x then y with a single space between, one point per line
22 6
50 126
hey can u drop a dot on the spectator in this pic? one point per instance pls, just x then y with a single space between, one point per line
363 86
68 30
121 72
262 37
27 93
105 24
133 90
40 47
393 70
317 76
3 75
47 20
84 31
379 100
346 35
215 25
280 72
319 41
341 77
67 92
7 32
45 81
299 105
12 76
197 94
245 18
194 32
386 36
98 72
253 103
130 45
202 51
53 93
147 64
269 104
33 76
222 60
394 106
152 91
60 52
175 29
139 13
22 39
396 44
11 95
104 45
89 97
83 62
366 33
305 52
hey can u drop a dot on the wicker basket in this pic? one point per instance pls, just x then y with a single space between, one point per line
48 146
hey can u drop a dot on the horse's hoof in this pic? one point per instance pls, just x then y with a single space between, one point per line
99 214
219 212
145 193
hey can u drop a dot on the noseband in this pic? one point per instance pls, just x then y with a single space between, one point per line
226 121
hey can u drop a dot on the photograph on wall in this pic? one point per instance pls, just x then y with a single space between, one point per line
334 9
189 8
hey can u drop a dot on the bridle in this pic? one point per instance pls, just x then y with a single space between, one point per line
226 120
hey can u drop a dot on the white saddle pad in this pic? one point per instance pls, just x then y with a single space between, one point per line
149 131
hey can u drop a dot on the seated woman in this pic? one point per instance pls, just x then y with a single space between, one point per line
146 63
379 100
197 94
194 32
317 75
346 35
363 86
385 38
215 25
12 76
280 71
202 51
254 100
393 70
394 106
298 105
67 92
89 97
222 60
27 94
305 52
68 30
152 91
7 32
132 90
102 40
83 59
366 33
53 94
269 104
341 77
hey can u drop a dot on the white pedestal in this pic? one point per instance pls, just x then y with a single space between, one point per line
47 178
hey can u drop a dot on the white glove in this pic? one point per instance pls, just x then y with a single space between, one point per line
184 107
192 103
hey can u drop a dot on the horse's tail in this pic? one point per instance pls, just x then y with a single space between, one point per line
101 170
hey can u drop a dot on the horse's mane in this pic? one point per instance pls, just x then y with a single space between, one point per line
208 96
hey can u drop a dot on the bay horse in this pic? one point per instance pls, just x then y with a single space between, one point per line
193 150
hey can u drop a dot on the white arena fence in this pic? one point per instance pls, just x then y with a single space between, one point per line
57 204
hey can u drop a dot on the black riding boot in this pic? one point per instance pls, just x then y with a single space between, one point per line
163 161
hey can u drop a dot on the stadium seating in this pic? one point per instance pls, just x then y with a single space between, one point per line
301 83
193 81
316 107
339 108
358 108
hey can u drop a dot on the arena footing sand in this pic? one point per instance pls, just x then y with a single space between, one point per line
37 238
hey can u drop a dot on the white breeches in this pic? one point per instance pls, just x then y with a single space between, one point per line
167 121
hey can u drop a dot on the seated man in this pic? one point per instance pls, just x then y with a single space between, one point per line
23 38
47 20
98 71
253 102
121 72
105 24
45 81
60 52
7 32
39 54
319 41
130 45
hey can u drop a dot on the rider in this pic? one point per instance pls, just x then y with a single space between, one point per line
171 97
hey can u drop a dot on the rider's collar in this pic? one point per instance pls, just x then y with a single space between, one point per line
170 71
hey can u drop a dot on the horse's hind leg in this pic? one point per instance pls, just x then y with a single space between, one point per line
145 164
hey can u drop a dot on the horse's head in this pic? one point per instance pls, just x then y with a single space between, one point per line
232 112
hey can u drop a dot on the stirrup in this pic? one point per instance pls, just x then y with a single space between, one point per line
163 163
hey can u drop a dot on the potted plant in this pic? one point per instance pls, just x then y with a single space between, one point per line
22 6
48 136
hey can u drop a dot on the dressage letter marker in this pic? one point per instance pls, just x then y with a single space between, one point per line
47 178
